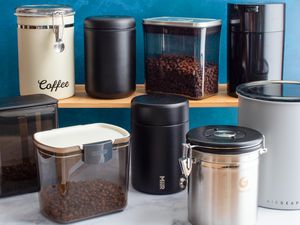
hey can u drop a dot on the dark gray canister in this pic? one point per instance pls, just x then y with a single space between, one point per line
110 56
158 127
255 43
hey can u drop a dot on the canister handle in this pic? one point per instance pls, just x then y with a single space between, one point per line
263 150
185 163
58 30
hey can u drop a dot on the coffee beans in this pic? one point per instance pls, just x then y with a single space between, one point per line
22 171
18 179
81 200
180 75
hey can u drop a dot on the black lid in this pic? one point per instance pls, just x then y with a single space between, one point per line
109 22
225 140
161 110
279 91
26 101
256 17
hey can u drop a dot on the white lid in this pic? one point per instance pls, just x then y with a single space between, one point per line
80 135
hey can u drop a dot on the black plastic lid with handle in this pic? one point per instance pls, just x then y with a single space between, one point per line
26 101
109 22
225 140
276 91
159 110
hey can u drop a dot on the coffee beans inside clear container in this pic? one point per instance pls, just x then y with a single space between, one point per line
84 171
181 74
182 56
19 176
20 118
81 199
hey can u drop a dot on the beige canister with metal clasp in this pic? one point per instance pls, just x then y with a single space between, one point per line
46 50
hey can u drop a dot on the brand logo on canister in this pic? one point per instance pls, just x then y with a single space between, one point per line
162 182
243 183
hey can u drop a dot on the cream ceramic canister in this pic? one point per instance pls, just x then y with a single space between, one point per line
46 50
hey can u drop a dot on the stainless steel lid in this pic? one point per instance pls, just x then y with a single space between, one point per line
275 91
44 10
183 22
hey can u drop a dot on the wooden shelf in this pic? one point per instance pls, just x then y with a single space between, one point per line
81 100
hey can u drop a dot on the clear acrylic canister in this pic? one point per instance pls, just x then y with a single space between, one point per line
83 171
46 50
182 56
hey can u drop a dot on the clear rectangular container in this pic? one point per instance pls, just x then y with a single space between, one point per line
20 118
182 56
83 171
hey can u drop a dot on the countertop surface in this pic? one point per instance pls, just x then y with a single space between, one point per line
142 209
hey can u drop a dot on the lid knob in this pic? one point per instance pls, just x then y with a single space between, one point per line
225 133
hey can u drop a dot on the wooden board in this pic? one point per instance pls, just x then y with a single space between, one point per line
81 100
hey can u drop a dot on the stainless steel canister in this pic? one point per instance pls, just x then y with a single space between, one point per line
46 50
221 164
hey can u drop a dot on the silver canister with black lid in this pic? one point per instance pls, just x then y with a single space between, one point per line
221 164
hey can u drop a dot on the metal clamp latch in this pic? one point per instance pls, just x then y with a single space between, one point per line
97 153
263 150
58 30
185 163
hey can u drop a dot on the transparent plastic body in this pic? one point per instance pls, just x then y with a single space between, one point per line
73 190
18 164
181 60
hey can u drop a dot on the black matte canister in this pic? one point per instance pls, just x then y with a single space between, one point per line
159 124
110 56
